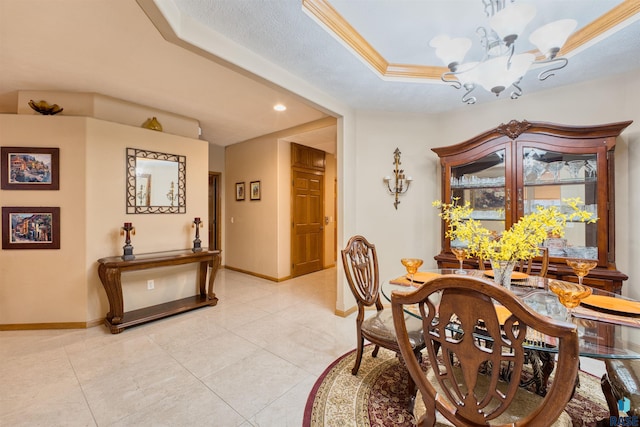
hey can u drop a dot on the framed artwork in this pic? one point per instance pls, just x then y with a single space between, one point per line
30 228
30 168
254 190
239 191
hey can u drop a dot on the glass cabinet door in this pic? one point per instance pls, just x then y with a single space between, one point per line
483 183
548 178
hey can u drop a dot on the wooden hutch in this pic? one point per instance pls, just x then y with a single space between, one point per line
509 170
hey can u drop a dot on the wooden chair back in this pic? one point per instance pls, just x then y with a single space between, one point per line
526 266
466 306
360 262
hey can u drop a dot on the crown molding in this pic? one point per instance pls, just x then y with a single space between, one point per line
324 13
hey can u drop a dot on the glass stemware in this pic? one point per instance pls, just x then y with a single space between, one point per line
569 294
574 168
461 254
555 168
581 266
412 265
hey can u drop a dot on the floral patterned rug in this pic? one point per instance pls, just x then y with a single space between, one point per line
378 395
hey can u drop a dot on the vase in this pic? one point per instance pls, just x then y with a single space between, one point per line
152 124
502 272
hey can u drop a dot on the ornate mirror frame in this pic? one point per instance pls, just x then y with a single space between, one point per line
176 194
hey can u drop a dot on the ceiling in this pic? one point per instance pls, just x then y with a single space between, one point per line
122 49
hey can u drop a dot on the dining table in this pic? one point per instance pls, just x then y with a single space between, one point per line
606 322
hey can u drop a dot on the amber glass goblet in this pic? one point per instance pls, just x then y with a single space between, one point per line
569 294
412 265
461 254
581 266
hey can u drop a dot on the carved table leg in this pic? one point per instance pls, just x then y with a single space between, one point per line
110 278
215 264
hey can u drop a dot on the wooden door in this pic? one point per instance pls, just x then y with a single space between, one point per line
307 235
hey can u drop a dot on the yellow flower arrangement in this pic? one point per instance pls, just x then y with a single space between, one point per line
521 241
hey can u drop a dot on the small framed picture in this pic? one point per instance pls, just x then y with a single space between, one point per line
239 191
30 168
255 190
30 228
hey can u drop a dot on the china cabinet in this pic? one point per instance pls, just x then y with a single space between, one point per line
506 172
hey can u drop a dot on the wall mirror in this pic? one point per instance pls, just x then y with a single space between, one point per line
156 182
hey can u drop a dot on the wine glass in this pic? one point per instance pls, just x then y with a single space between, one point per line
581 266
461 254
574 167
412 265
555 168
569 294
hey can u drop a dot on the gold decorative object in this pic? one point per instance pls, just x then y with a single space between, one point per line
401 183
581 266
569 294
172 195
44 108
461 254
412 265
152 124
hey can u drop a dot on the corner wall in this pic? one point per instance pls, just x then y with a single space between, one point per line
61 287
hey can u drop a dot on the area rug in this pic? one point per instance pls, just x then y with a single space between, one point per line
378 395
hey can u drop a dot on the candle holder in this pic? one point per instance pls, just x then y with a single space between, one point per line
196 242
127 231
399 183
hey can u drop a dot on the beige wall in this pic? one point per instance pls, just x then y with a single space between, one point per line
62 286
43 286
251 231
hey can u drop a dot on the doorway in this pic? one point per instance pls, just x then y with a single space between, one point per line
214 211
308 230
307 209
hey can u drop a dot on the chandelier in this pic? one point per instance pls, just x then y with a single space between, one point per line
500 66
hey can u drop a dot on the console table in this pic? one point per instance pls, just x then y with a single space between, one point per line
110 271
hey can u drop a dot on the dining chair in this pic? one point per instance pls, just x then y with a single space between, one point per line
454 389
526 266
360 261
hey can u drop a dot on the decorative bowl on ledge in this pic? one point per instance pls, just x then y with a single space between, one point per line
44 108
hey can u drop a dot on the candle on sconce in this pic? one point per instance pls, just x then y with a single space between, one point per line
127 225
196 219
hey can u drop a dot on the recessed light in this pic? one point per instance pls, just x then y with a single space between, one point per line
279 107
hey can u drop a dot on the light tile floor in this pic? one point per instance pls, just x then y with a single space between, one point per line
250 361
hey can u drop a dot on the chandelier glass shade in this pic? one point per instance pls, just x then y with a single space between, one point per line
500 67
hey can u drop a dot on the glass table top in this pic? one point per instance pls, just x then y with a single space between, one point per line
602 333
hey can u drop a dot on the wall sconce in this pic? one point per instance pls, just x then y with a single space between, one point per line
401 183
172 195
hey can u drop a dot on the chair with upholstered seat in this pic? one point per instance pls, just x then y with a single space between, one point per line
360 261
466 304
